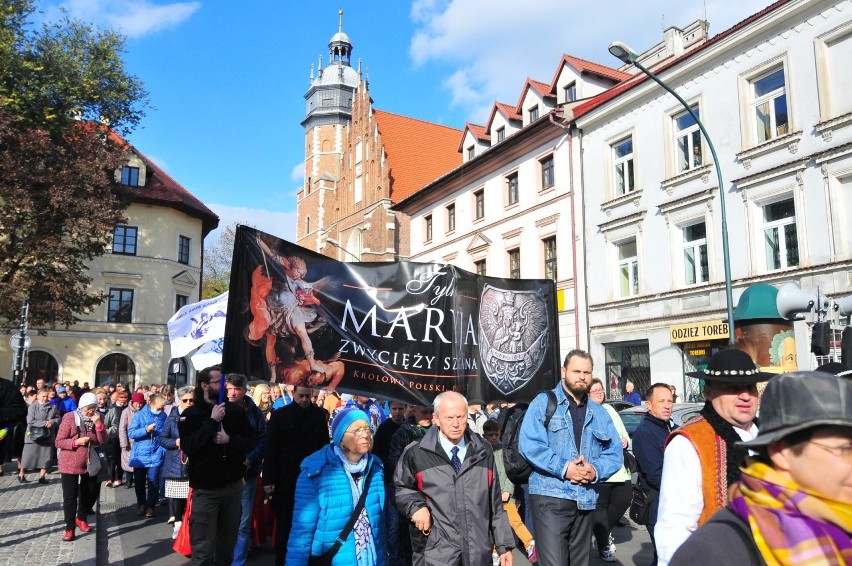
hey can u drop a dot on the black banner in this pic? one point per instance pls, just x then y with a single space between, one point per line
405 331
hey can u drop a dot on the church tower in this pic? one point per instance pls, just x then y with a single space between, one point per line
328 115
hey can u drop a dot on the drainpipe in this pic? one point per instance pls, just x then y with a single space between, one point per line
559 112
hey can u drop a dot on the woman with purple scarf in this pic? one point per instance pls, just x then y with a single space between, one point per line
793 503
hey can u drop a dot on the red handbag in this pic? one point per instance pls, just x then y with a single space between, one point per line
181 544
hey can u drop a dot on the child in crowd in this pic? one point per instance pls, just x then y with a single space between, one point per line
491 432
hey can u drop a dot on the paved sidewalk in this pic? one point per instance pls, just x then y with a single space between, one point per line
31 524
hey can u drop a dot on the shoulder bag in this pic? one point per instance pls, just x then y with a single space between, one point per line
96 461
328 556
640 505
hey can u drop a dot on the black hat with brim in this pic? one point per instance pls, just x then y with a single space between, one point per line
732 366
801 400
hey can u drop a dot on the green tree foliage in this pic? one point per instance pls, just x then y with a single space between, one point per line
60 84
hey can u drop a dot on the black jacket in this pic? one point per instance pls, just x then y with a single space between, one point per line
407 433
382 445
724 539
210 465
13 408
648 440
292 434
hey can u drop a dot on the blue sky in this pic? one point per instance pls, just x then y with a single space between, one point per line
227 77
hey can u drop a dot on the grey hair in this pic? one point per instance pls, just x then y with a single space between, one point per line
436 404
185 390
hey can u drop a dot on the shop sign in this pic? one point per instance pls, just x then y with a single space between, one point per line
709 330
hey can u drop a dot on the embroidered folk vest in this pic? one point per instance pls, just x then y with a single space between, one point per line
712 453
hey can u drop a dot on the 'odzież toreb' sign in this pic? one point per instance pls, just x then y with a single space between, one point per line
709 330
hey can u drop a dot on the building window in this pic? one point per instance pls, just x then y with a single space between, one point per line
547 177
687 141
470 153
479 204
770 105
512 188
628 268
120 306
451 217
627 361
183 249
695 266
550 258
779 235
124 240
515 263
130 176
533 113
116 368
622 158
181 301
571 92
501 134
308 225
479 267
428 221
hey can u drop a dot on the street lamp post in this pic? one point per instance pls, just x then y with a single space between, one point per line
627 55
335 243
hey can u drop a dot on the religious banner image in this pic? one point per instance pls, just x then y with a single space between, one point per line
403 330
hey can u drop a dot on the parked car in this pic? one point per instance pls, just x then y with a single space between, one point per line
618 404
681 412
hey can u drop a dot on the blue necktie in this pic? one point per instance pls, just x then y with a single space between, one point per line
455 459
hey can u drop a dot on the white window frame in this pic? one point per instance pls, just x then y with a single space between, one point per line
629 163
513 175
692 137
533 113
779 227
570 89
695 246
501 133
479 199
769 97
632 265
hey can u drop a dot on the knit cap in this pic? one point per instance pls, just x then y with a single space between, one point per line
343 420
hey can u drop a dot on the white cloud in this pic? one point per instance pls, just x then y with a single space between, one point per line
278 223
298 173
131 17
492 46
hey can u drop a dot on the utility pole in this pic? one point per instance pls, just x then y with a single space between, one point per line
20 343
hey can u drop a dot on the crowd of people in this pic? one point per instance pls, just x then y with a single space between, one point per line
358 481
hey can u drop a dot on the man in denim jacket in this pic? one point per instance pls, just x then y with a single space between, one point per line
580 447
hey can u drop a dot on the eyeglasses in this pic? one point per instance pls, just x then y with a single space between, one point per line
843 452
187 400
361 431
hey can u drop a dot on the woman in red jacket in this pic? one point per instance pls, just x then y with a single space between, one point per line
77 431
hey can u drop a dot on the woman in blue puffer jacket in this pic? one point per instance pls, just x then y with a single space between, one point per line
174 462
147 454
327 491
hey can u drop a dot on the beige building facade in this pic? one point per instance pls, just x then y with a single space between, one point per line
152 268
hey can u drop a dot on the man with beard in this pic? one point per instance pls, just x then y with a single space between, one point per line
216 439
294 432
580 447
703 457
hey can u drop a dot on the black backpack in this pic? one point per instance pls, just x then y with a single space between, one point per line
518 470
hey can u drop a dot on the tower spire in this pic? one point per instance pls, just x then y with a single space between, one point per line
340 27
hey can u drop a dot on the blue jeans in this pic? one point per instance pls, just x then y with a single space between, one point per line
391 526
244 533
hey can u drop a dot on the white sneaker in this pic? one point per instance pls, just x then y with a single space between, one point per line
176 529
606 555
611 545
171 520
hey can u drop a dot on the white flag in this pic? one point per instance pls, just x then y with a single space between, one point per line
208 354
197 324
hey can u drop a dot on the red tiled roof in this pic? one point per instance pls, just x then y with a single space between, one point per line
418 152
479 132
543 90
591 68
161 189
605 96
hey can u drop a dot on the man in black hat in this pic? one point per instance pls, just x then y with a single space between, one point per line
701 459
791 505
